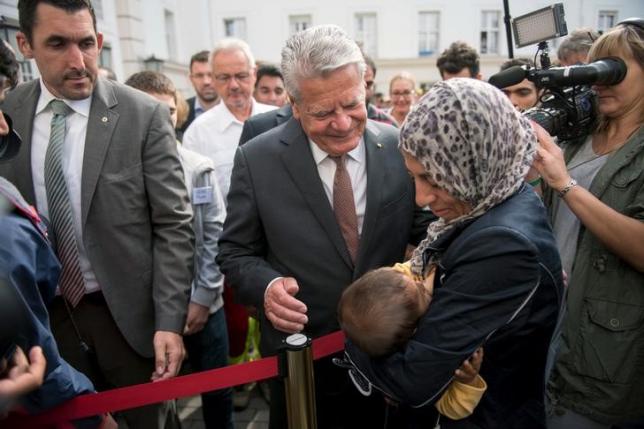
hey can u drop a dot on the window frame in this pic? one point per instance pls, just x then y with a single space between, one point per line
233 23
488 30
424 34
361 35
302 18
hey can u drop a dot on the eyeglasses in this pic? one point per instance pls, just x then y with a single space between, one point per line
239 77
405 93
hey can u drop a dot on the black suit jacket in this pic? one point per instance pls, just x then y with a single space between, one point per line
258 124
281 223
499 285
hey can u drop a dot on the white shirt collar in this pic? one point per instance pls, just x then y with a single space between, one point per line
78 106
198 106
227 119
357 154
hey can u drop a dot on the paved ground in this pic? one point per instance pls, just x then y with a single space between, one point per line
253 417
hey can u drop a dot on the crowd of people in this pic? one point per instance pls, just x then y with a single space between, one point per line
485 274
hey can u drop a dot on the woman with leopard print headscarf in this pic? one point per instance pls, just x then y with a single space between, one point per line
498 281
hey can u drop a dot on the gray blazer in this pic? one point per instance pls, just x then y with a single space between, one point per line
134 206
280 223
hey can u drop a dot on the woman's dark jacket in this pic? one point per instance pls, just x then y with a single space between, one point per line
498 285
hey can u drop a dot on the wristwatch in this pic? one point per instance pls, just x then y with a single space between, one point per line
567 188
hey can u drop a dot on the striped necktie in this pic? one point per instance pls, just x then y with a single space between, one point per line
344 206
71 283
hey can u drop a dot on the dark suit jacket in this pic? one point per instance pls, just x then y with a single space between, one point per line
134 206
280 223
498 285
258 124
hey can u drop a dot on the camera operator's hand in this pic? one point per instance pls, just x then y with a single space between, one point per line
549 160
23 375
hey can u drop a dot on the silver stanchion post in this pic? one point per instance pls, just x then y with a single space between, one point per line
299 382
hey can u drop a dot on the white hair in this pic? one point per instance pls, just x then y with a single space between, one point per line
232 44
316 52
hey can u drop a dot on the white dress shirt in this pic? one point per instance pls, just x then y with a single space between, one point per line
73 150
215 134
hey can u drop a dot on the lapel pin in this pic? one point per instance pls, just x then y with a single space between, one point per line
379 145
104 119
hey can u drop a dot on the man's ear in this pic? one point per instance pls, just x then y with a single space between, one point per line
24 45
99 41
296 110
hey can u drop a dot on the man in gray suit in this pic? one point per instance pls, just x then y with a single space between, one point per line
313 204
129 239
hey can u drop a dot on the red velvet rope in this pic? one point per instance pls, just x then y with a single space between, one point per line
150 393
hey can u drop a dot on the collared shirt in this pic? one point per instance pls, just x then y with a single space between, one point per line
356 165
198 108
74 148
216 134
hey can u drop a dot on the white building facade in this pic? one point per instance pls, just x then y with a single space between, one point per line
405 34
399 34
135 32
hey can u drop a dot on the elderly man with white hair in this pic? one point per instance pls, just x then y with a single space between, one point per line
216 133
313 204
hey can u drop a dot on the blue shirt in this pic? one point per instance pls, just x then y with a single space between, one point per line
29 265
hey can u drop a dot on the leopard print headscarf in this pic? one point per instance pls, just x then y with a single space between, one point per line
473 144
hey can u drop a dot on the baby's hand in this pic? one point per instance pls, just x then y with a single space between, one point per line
390 402
470 368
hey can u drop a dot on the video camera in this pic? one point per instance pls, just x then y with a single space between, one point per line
568 105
